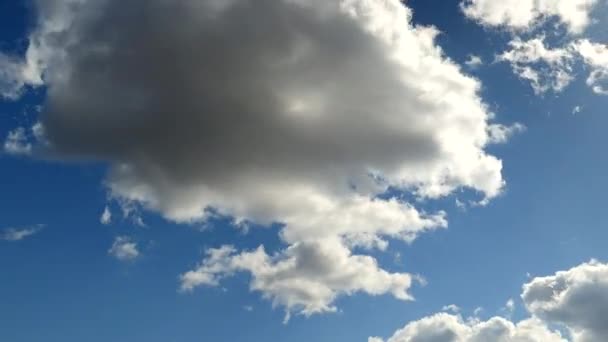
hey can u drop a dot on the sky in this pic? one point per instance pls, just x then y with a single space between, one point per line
291 170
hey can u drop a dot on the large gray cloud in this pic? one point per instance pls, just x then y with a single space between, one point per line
576 298
290 111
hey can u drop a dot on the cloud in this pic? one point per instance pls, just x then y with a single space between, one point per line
575 299
500 134
124 249
551 69
302 113
106 216
306 278
17 143
527 14
18 234
445 327
473 62
547 69
595 56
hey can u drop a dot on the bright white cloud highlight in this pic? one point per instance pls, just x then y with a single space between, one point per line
596 56
527 14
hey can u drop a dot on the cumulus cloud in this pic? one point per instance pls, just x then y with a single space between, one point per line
473 61
575 299
445 327
305 278
527 14
302 113
18 234
124 249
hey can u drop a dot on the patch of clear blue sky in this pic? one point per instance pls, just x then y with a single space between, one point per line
61 285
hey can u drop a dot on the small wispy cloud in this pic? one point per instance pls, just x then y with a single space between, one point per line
106 216
473 61
18 234
124 249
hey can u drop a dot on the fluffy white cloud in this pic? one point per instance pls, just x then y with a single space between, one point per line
124 249
445 327
596 56
527 14
297 112
545 68
576 298
306 278
18 234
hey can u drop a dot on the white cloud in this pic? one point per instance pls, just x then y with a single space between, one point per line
124 249
445 327
527 14
302 113
17 143
575 299
106 216
550 69
306 278
596 56
545 68
18 234
451 308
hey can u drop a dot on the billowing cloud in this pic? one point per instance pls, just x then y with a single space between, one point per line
305 278
445 327
575 299
527 14
124 249
303 113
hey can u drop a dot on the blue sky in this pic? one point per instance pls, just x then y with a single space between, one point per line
63 282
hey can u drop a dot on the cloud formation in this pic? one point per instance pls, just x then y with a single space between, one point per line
527 14
575 299
303 113
124 249
305 278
